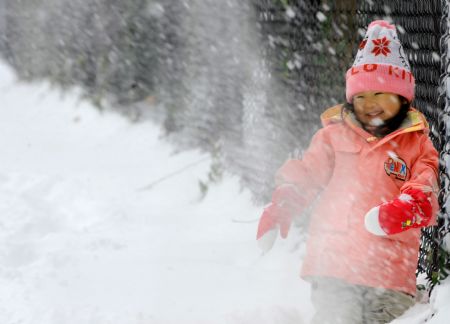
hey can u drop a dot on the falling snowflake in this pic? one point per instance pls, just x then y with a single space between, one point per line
381 46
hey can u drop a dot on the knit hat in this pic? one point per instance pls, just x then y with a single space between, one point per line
380 64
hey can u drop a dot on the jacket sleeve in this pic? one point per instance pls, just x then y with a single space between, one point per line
311 173
424 173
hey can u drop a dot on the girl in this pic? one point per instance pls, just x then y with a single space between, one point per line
371 175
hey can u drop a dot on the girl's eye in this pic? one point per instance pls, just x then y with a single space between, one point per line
378 93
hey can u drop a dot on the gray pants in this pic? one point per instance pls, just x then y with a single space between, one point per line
337 302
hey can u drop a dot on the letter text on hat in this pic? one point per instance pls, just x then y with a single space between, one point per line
370 67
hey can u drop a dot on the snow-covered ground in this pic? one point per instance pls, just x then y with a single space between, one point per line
85 240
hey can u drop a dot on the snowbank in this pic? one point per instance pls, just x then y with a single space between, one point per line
81 241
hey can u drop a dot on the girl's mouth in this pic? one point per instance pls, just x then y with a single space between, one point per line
374 113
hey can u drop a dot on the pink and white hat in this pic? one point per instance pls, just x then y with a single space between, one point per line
380 64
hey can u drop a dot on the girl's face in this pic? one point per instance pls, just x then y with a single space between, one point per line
373 108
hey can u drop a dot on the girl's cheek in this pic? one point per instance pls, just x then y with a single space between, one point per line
394 99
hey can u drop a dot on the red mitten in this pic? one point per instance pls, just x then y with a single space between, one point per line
412 209
286 203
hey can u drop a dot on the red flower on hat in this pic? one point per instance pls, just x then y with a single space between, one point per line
363 44
381 46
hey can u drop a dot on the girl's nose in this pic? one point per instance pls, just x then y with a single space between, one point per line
369 104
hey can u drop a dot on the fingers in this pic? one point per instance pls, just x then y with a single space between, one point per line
284 228
272 217
266 242
266 223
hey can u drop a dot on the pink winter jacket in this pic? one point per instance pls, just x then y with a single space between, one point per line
344 173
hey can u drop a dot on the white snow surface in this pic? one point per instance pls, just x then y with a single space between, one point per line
82 243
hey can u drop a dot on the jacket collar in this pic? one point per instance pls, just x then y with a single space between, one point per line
414 122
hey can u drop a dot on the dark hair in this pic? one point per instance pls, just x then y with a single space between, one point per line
390 124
